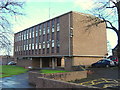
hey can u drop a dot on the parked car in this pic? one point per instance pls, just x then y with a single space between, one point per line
11 63
103 63
114 59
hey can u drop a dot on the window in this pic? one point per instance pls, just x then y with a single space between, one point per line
58 24
48 27
19 36
36 32
52 25
30 33
52 43
24 35
43 44
53 29
48 45
48 30
29 46
27 35
33 46
26 47
36 46
39 45
58 35
58 27
40 31
44 28
33 33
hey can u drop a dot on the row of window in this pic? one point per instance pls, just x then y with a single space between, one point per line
36 46
40 51
37 31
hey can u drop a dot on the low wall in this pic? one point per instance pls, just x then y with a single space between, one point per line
66 76
50 83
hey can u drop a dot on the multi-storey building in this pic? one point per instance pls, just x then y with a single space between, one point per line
62 41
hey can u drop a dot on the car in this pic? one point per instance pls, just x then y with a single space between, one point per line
103 63
11 63
114 59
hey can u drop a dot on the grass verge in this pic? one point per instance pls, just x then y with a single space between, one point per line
7 70
51 71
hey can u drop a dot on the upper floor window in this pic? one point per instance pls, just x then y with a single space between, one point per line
43 44
36 32
48 27
40 30
48 45
44 28
26 47
39 45
53 21
24 35
27 35
58 35
33 46
52 43
29 46
36 46
53 29
33 33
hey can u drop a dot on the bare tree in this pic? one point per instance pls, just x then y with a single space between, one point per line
8 10
107 12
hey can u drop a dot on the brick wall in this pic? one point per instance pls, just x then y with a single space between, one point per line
85 60
24 63
5 60
66 76
49 83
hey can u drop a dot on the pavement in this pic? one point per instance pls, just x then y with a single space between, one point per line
16 81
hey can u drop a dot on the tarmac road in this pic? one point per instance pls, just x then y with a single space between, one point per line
16 81
102 77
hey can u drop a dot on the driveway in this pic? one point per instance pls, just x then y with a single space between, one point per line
16 81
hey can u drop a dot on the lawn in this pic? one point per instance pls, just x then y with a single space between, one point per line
51 71
7 70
